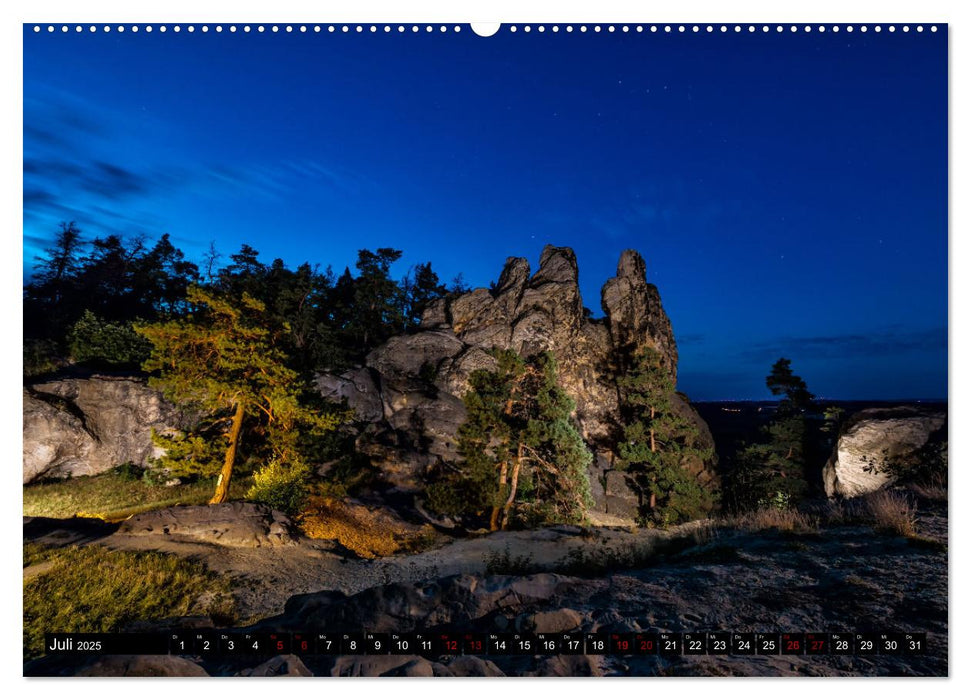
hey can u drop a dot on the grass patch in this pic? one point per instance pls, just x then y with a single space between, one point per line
587 562
92 589
115 495
936 492
505 563
892 513
927 543
368 532
35 553
781 519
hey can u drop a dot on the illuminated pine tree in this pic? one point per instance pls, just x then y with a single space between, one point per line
224 361
657 441
523 459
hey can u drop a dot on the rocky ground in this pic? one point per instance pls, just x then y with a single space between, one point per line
839 578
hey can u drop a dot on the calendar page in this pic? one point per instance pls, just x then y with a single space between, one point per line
518 349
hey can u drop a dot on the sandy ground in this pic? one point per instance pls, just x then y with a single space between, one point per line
265 577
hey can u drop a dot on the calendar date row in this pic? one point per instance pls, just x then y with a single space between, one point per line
222 643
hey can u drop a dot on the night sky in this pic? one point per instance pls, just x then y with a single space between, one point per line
788 191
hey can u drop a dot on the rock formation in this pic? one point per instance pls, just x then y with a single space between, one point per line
235 524
81 427
408 394
869 439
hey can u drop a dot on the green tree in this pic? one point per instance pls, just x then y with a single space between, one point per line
97 342
225 360
772 470
522 457
783 382
377 302
60 264
657 442
50 298
161 278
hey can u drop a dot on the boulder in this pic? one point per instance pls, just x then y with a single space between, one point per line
434 315
414 355
86 426
282 665
869 439
474 666
55 441
454 601
556 621
144 666
358 388
568 666
370 666
511 284
235 524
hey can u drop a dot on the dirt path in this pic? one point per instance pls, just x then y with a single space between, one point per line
266 577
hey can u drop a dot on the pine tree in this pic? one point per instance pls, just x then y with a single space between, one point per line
782 382
160 279
523 460
225 361
657 441
772 471
61 263
378 300
51 303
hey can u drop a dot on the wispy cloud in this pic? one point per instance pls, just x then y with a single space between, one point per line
879 343
72 171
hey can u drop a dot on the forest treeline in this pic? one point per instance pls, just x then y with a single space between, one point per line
85 296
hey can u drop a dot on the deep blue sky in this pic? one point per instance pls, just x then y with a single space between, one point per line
788 191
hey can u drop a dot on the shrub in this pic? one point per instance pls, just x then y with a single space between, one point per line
773 518
508 564
892 513
41 357
773 465
925 466
780 500
128 472
281 486
583 561
368 532
97 342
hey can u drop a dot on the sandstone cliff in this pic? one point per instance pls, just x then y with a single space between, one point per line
86 426
408 394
